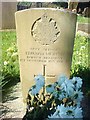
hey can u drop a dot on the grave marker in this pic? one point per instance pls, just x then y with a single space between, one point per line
7 12
45 38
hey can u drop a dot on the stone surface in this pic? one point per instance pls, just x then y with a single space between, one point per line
7 19
0 15
50 33
85 27
86 12
13 107
45 42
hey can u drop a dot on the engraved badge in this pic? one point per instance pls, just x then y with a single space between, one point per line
44 30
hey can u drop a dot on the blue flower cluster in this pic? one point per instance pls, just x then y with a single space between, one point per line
67 91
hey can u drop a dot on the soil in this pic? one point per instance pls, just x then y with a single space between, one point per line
13 107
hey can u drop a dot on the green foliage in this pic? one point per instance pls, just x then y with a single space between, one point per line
8 37
82 19
24 3
80 60
80 53
9 54
61 4
10 65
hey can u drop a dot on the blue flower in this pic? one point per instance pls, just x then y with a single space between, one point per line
61 96
55 94
50 88
67 112
61 79
59 109
68 87
34 90
78 113
40 80
77 81
78 95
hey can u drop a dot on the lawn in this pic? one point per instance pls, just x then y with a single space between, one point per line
82 19
9 61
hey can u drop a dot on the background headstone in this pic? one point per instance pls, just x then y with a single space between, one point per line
0 15
7 15
45 41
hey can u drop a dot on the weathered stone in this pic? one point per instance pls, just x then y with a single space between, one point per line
45 41
86 12
7 13
85 27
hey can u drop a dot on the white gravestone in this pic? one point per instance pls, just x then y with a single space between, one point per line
45 39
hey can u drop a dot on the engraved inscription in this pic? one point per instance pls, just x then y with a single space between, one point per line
45 30
47 55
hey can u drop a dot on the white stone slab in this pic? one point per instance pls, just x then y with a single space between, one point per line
45 41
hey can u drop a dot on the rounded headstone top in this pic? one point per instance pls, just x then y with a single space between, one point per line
53 9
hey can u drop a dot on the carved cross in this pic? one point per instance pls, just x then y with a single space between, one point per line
44 73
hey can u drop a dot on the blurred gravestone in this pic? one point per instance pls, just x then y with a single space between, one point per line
86 12
0 15
7 13
45 42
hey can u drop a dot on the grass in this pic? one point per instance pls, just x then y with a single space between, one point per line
8 38
80 53
80 61
10 65
82 19
9 52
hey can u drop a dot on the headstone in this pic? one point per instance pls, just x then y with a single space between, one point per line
8 12
0 15
85 27
45 42
86 12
